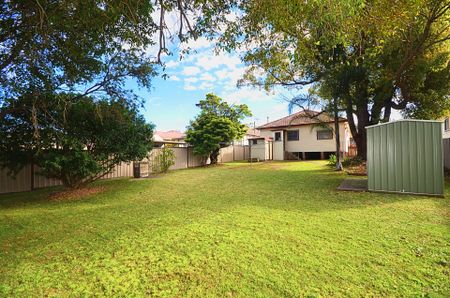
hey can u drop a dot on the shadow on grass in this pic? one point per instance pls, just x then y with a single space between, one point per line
304 186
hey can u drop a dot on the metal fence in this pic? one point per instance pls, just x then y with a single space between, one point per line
29 178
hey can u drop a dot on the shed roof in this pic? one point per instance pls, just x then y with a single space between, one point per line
403 120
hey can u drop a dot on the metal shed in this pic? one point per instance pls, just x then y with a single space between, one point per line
406 156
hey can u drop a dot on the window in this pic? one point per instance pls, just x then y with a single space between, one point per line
324 134
278 136
254 142
292 135
447 123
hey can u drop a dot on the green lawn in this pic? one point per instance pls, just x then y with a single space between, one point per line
275 229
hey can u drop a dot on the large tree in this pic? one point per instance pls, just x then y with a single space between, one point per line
373 57
217 126
65 53
79 140
86 47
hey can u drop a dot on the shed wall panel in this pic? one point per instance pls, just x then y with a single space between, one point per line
405 156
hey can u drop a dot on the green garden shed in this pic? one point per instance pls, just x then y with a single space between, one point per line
406 156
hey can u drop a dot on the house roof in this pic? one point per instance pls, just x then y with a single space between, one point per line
305 117
252 132
170 135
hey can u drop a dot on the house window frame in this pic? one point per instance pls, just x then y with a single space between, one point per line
293 140
275 136
324 130
254 142
447 124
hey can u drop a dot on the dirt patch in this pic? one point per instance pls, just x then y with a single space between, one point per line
359 170
75 194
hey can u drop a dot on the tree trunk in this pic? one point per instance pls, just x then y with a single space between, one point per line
361 144
214 156
358 130
337 133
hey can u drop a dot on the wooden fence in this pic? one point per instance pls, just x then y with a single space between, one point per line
28 178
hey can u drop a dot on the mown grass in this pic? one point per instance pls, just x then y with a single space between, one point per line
275 229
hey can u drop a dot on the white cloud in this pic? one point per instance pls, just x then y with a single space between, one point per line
206 86
230 76
189 87
174 78
172 64
207 77
191 70
191 80
247 94
199 43
210 61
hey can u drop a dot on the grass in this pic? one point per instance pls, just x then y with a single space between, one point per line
275 229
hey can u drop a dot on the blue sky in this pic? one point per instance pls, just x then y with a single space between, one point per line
170 104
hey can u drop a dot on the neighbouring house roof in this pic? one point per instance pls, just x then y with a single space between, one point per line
306 117
252 132
169 135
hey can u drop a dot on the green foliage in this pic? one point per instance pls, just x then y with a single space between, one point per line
268 230
71 45
332 160
163 160
352 161
217 125
76 141
370 59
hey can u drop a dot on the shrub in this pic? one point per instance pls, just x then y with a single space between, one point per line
163 160
332 160
352 161
77 140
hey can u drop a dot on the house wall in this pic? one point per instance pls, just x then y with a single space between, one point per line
260 150
446 144
308 140
278 147
446 133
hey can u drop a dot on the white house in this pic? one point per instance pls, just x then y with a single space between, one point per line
446 142
446 133
304 135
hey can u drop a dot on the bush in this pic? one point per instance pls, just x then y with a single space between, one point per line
352 161
79 139
163 160
332 160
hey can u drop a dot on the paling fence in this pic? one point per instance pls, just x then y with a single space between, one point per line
29 178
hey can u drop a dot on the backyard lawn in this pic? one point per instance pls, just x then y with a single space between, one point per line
273 229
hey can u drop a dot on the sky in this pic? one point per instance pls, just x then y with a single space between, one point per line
170 103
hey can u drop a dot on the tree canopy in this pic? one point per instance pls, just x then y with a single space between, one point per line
79 140
217 126
373 57
70 55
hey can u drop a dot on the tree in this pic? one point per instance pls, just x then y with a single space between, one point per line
68 53
217 125
370 59
79 140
